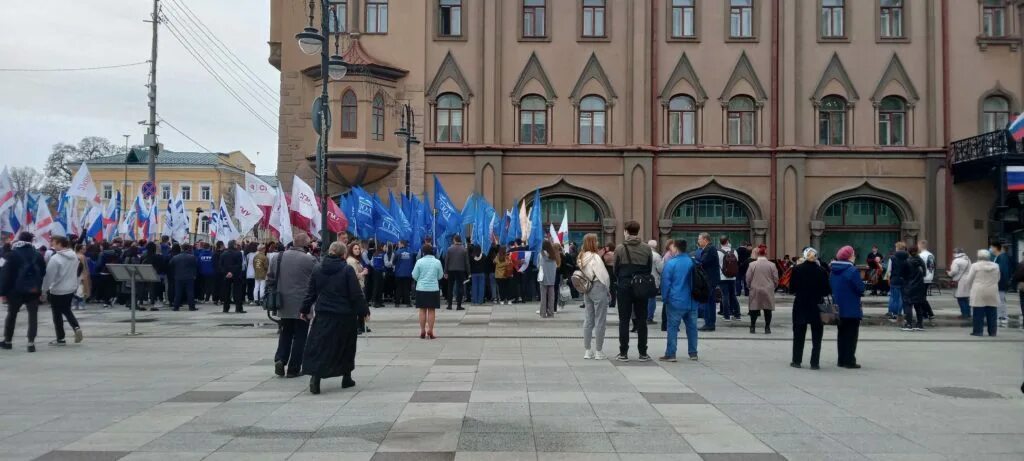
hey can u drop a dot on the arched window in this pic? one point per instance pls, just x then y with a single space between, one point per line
832 121
860 223
449 118
349 114
533 120
995 113
377 119
592 120
892 121
584 217
741 118
717 216
682 120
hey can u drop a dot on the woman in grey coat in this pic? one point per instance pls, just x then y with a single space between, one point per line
549 262
289 276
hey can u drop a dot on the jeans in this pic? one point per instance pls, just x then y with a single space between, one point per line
965 307
290 343
652 307
60 307
630 308
846 340
730 305
1002 305
493 283
184 291
983 315
259 289
14 304
456 283
688 316
477 288
505 290
741 284
595 316
895 300
708 309
800 336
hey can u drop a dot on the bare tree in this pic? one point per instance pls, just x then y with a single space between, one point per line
58 169
25 180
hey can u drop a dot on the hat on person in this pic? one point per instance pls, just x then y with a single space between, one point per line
844 253
809 251
652 243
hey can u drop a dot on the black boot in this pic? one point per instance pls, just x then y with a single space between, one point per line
314 385
346 381
753 324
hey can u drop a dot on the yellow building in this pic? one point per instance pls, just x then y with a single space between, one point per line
201 177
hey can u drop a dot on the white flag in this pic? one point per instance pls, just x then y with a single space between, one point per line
227 229
6 191
305 204
262 193
181 219
280 220
247 211
83 186
553 234
563 230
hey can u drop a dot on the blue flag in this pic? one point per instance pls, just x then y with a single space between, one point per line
449 220
386 228
363 212
400 217
482 224
418 231
63 209
469 211
515 228
536 225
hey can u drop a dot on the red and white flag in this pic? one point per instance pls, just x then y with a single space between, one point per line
337 222
262 193
83 186
563 229
280 219
304 204
6 191
247 211
553 234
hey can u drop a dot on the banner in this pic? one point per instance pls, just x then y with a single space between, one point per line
337 222
6 191
247 210
82 186
305 205
280 219
386 227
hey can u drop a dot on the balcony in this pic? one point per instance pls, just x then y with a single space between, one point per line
974 158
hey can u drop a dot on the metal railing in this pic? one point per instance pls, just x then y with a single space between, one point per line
985 146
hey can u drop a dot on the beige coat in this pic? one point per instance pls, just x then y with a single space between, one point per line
762 278
982 281
957 271
593 267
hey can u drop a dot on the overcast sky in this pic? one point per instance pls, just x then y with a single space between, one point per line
40 109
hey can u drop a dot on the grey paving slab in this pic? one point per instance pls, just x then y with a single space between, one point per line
574 442
187 442
676 398
420 442
83 456
507 441
414 456
440 396
353 442
653 441
205 396
504 424
742 457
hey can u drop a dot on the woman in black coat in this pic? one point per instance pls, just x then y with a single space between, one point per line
340 305
809 283
915 291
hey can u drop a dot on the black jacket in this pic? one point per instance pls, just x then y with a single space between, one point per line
183 267
335 289
914 289
898 268
711 265
231 261
743 254
15 259
477 266
809 283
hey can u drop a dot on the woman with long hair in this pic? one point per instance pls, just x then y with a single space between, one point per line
549 261
503 274
427 273
595 301
355 260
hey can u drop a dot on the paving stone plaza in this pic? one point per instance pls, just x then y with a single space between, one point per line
500 384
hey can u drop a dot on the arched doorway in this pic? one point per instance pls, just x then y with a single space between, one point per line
715 215
861 223
584 217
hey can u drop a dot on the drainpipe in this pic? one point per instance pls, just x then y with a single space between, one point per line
773 180
655 230
945 131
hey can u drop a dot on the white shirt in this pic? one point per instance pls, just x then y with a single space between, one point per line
929 264
722 251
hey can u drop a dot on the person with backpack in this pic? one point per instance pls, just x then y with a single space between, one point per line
591 279
633 264
730 264
21 283
59 286
762 278
707 255
677 292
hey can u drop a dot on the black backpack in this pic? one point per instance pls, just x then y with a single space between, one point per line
29 279
700 287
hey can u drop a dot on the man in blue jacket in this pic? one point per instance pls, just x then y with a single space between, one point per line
708 257
676 292
403 261
207 272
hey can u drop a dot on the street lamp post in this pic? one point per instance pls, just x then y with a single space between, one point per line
332 67
407 131
195 233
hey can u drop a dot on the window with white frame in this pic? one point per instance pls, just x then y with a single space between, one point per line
186 191
741 18
449 18
534 18
741 118
682 120
833 13
993 18
890 17
995 113
377 16
592 121
593 18
684 19
892 121
338 21
165 191
205 192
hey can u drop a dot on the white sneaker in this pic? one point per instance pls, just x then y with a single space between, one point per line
1003 323
599 356
538 311
588 355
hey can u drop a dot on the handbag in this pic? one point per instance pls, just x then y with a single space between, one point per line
272 297
641 284
564 293
828 311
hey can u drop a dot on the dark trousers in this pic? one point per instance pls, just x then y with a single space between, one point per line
927 309
767 317
505 291
250 285
209 284
377 281
403 288
456 290
730 304
60 307
172 289
184 292
800 335
107 288
846 341
983 315
290 343
908 313
156 292
233 288
630 308
14 304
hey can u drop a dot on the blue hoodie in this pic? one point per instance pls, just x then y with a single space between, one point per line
847 289
205 259
675 283
404 260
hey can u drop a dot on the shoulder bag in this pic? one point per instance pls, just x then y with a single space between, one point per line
829 311
642 284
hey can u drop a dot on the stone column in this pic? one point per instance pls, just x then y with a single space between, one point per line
817 229
608 226
909 232
664 232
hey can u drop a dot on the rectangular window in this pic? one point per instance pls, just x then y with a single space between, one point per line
108 190
891 19
534 18
377 16
450 18
993 18
593 18
832 13
741 128
683 17
205 192
891 129
186 191
681 127
338 21
165 191
741 18
204 226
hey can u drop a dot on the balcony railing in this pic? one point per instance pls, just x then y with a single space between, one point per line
986 146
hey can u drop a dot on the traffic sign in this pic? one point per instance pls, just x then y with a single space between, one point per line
148 190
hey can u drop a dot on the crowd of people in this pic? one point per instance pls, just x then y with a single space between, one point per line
324 300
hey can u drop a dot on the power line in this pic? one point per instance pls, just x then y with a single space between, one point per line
164 121
76 69
202 62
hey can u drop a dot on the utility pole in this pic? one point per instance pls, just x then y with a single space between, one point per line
151 140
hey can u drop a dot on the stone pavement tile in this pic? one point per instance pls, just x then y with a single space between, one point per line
498 385
916 457
495 456
557 397
266 396
971 444
440 396
484 424
21 422
77 422
550 424
430 424
854 425
726 394
499 396
678 398
727 441
349 424
804 443
372 409
179 456
111 441
306 409
420 442
487 409
240 456
68 455
816 411
508 441
31 444
358 442
578 456
630 410
272 424
697 419
444 386
653 441
414 456
574 442
742 457
670 388
450 377
380 397
453 369
187 442
554 386
848 456
659 457
330 456
275 442
205 396
614 397
633 425
880 444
